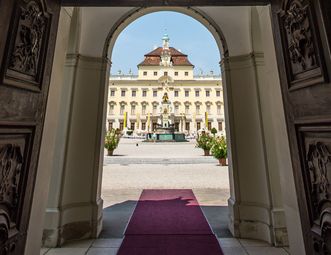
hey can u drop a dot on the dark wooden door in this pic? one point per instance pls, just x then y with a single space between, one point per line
302 35
27 38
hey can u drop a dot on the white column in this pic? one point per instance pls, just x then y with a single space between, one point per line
75 205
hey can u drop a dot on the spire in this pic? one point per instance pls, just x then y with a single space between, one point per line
165 40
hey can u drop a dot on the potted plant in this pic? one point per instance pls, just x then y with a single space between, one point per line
219 150
205 142
111 141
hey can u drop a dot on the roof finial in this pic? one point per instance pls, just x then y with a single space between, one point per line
165 40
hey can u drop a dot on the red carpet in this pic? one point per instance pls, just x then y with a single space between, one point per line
169 222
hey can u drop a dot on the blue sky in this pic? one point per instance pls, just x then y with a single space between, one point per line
185 33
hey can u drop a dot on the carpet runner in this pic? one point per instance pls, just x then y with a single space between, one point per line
169 222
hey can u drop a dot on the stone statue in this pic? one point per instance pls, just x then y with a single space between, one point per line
165 98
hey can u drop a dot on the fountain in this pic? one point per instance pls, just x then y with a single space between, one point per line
165 129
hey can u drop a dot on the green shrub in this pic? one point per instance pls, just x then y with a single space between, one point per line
112 139
213 131
205 141
219 148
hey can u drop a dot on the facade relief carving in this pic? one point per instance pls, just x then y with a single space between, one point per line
303 60
30 34
318 160
299 36
11 160
28 45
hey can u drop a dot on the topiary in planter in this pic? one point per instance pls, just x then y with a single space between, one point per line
219 150
111 141
205 142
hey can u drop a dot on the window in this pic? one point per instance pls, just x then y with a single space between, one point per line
110 125
144 110
209 125
133 124
176 73
154 126
176 93
187 126
144 93
186 73
165 73
219 109
198 125
134 93
112 93
122 109
155 73
154 109
177 126
208 109
122 93
133 110
207 93
218 93
143 125
187 93
197 93
145 73
111 109
197 109
176 109
220 126
121 125
187 109
154 93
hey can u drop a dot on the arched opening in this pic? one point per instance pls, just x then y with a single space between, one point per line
125 94
252 211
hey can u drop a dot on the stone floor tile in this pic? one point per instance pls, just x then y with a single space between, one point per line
67 251
229 242
79 244
102 251
107 243
253 243
287 249
43 251
265 251
234 251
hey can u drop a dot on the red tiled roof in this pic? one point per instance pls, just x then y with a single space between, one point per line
153 58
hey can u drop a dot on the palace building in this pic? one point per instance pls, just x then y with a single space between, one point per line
196 101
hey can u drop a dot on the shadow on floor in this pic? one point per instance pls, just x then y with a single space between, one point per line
117 216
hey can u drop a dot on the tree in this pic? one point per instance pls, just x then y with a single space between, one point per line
213 131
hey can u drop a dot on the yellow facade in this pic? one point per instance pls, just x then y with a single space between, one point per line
190 99
196 101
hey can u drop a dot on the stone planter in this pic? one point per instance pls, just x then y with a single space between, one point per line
110 152
222 161
207 153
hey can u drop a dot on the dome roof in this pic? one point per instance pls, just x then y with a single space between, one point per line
165 37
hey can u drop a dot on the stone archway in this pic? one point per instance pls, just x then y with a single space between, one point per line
252 212
306 108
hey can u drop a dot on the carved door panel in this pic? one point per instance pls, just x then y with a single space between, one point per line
302 36
27 38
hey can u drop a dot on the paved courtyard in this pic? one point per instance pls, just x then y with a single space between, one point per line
136 166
